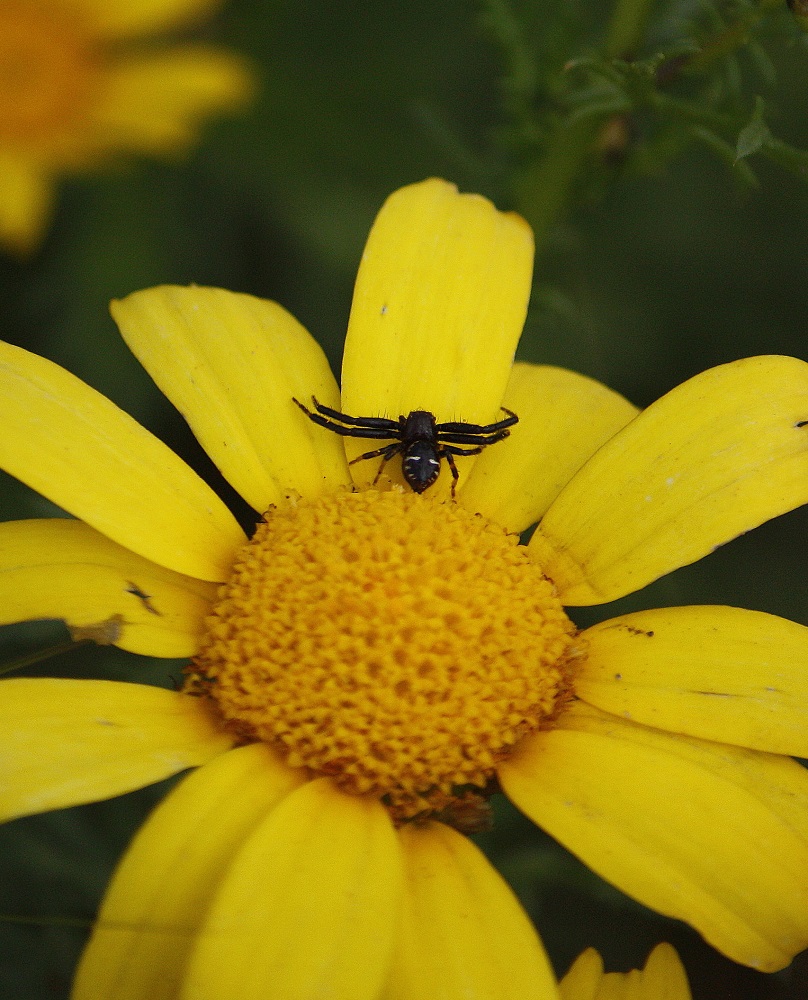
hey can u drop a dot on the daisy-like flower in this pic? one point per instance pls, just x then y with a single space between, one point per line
373 663
78 87
663 978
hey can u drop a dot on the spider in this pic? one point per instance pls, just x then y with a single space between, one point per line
418 438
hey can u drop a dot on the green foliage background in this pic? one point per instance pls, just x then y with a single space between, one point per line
664 261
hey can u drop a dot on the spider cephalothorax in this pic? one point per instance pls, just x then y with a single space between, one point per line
418 438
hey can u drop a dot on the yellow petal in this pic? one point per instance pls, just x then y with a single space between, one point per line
231 364
121 18
171 871
65 569
718 455
309 906
663 978
26 204
463 933
70 443
157 102
583 978
563 419
723 674
712 834
66 742
439 304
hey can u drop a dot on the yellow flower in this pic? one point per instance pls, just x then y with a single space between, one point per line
375 663
663 978
78 87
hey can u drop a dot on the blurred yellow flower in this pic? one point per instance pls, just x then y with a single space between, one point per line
77 86
663 978
374 663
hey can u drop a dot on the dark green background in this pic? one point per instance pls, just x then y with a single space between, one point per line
660 277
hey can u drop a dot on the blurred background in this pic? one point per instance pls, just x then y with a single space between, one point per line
659 257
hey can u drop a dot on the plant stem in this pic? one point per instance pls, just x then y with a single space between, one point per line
731 38
544 190
21 662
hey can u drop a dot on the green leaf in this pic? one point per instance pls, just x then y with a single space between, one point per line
754 135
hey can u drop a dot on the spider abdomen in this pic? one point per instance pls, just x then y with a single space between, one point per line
420 465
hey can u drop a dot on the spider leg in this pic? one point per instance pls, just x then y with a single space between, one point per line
382 464
374 433
454 427
455 474
377 423
448 449
388 452
448 452
480 439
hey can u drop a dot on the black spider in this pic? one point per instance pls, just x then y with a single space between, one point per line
419 439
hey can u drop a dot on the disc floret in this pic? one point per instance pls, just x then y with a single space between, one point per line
47 71
400 645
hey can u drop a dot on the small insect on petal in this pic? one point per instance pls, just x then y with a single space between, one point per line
420 440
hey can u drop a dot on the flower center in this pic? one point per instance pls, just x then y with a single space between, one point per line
398 644
47 69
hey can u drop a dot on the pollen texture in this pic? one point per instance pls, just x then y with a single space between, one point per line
398 644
